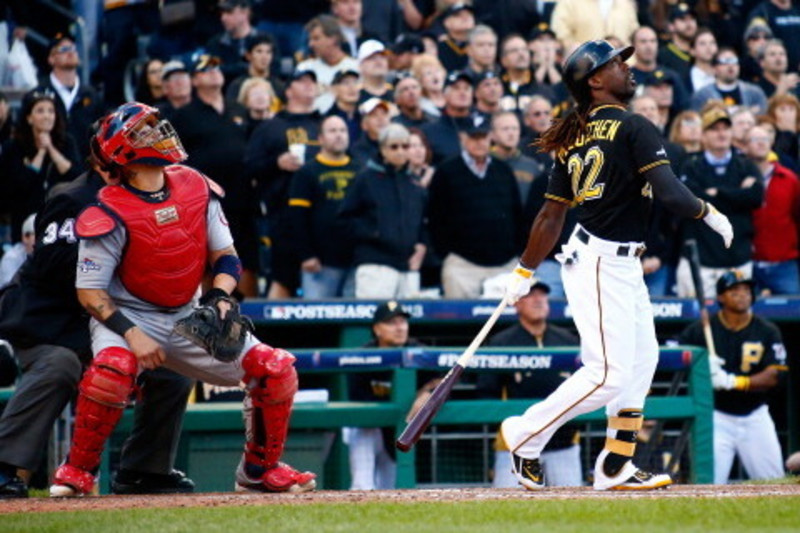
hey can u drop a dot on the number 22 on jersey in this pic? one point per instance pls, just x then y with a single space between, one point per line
584 187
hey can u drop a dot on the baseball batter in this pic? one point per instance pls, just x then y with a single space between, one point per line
750 359
143 251
609 164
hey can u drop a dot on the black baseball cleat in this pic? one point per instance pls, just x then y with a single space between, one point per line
12 486
133 482
528 472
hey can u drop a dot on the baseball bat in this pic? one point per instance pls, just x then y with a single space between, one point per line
699 292
422 419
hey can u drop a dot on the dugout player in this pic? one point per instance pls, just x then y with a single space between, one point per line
49 330
143 251
608 163
750 359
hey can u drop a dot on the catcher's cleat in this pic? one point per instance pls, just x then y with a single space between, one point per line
134 482
630 477
528 472
279 478
70 481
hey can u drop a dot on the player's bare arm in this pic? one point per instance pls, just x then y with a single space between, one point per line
544 233
99 304
222 279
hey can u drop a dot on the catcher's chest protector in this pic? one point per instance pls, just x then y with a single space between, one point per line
167 248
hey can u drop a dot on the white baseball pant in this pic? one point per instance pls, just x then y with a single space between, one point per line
610 306
753 438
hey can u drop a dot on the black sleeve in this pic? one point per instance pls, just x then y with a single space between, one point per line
693 335
673 194
645 143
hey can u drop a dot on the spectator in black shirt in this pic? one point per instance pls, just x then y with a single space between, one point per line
345 89
149 88
374 67
783 18
475 215
405 49
676 53
456 117
39 155
315 195
231 45
277 148
80 105
408 99
756 37
374 118
458 21
259 52
177 86
214 135
519 81
775 76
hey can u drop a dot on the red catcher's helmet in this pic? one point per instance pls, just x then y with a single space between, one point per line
135 133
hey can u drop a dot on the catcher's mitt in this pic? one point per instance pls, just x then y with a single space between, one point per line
223 338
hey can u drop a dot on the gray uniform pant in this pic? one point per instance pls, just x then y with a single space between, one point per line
50 376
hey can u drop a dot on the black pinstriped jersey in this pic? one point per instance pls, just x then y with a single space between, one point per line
746 351
602 173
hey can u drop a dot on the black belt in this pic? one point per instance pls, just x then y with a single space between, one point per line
623 250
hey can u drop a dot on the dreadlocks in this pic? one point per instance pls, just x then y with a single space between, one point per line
565 131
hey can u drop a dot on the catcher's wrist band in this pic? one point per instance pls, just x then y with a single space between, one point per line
118 323
213 294
230 265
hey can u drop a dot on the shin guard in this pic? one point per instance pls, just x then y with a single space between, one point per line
271 382
104 392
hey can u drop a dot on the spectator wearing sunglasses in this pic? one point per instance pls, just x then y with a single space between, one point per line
384 216
728 87
79 105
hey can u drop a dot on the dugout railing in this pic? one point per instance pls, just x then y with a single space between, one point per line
212 436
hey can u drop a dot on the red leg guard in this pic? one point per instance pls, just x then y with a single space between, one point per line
104 392
272 384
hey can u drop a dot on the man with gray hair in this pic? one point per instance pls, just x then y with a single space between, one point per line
384 216
481 51
775 76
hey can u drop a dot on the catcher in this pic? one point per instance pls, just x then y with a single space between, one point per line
143 251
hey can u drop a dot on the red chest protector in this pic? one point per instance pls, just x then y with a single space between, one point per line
167 249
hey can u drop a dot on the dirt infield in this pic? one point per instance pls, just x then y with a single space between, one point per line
45 505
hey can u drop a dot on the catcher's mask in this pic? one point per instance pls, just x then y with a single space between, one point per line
135 133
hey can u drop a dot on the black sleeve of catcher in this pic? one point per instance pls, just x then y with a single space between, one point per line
672 193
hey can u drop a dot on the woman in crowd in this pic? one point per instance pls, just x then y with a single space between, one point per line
40 154
686 131
784 109
258 97
420 156
148 89
430 73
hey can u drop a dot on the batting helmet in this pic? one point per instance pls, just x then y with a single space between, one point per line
733 277
585 61
135 133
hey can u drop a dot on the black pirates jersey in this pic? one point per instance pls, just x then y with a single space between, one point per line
602 173
746 351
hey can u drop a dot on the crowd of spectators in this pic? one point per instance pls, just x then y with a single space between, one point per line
427 180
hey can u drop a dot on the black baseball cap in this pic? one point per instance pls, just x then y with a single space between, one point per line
300 73
387 311
251 41
680 10
479 125
204 62
485 75
458 75
540 286
543 28
227 5
342 74
172 67
456 8
659 76
407 42
732 278
58 38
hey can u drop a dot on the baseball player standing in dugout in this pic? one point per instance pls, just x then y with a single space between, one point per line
609 164
143 251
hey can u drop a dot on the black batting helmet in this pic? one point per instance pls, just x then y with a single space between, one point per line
734 277
585 61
